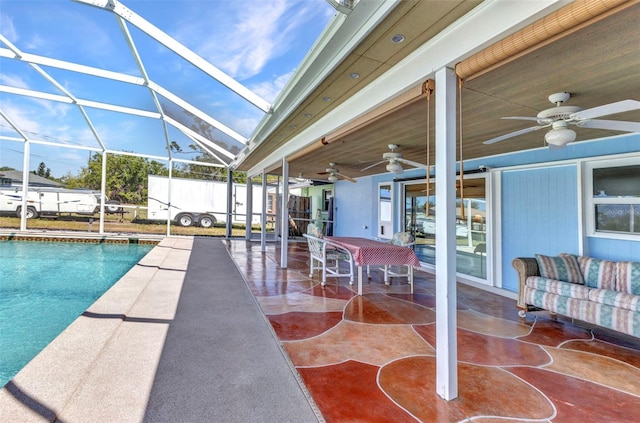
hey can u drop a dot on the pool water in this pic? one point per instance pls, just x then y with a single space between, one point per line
45 286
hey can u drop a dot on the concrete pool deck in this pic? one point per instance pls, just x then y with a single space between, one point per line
179 338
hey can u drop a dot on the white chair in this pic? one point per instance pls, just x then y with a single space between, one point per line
326 255
403 239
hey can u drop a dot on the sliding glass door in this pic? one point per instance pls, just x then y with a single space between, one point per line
471 228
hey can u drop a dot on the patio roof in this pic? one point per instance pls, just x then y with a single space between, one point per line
594 58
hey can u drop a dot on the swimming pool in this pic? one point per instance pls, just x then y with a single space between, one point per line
45 286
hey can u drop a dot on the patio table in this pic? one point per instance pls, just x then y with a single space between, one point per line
368 251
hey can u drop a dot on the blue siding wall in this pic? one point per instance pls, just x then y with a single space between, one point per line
539 206
614 249
355 208
539 215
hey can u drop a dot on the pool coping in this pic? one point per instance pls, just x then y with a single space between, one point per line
89 237
102 345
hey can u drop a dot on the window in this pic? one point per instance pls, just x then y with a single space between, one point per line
385 210
613 198
471 225
327 195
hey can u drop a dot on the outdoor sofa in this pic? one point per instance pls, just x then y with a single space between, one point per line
601 292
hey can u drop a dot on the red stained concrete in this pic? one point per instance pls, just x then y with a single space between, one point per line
373 361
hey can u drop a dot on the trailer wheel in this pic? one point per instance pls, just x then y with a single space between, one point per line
184 220
207 221
32 213
113 206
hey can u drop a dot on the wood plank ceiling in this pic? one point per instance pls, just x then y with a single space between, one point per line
597 64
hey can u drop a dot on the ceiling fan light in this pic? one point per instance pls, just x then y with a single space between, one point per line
560 136
394 167
332 178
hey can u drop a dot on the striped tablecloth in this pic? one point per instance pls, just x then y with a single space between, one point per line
368 251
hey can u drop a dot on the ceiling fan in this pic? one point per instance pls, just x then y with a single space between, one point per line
334 173
393 161
559 118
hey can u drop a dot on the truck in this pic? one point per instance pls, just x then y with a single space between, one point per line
196 202
52 202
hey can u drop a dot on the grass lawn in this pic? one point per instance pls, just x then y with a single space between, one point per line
114 224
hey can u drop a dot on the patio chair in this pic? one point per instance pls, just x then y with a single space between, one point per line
403 239
326 256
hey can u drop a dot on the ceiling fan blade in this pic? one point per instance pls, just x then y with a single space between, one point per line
373 165
347 177
533 118
323 173
514 134
414 164
607 109
614 125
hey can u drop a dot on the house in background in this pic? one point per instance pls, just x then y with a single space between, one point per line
14 178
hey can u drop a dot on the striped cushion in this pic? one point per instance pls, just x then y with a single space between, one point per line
562 268
615 299
625 321
553 286
628 277
598 273
566 306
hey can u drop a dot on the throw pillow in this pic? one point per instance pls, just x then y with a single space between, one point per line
562 268
628 277
598 273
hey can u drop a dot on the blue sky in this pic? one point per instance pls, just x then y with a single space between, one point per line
257 42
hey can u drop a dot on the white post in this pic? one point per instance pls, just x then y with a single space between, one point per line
103 188
263 219
446 322
285 213
249 216
25 184
469 223
230 200
169 198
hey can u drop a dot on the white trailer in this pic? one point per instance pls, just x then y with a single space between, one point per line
46 201
198 202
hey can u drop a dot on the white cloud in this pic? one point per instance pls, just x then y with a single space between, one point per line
269 90
8 29
13 80
242 41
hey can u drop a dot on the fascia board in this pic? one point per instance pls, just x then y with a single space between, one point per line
489 22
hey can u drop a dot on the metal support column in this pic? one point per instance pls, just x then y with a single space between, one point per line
169 198
25 184
446 322
230 200
263 217
103 189
249 215
285 214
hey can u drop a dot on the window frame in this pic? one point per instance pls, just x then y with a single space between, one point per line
591 200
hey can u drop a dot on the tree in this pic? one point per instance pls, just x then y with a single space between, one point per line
43 171
195 171
126 177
